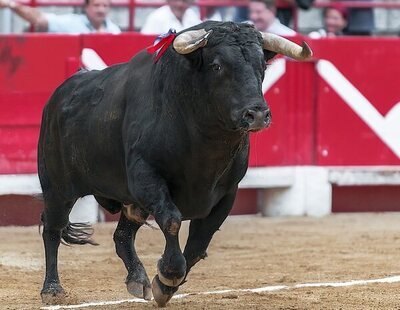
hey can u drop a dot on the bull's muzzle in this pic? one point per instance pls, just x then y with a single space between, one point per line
256 119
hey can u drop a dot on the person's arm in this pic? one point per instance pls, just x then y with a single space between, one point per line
32 15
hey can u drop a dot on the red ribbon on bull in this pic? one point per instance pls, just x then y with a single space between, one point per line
161 44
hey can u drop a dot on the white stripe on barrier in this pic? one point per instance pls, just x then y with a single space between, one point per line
385 127
91 60
393 279
19 184
273 73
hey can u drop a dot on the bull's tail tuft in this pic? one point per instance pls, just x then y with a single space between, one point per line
77 233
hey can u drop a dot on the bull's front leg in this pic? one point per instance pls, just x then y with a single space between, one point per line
152 193
171 268
201 232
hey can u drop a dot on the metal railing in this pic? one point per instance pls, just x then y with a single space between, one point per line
133 5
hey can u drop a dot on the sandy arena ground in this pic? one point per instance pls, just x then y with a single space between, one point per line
248 252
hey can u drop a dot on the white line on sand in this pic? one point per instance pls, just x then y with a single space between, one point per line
392 279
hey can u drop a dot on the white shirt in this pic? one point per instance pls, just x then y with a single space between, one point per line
318 34
281 30
162 19
76 24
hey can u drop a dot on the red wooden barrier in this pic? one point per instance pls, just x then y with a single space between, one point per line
341 109
344 109
31 67
370 136
312 123
290 139
115 49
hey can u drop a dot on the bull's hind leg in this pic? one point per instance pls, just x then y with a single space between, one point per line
55 220
137 281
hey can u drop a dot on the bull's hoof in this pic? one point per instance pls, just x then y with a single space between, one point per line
139 290
53 294
137 282
170 282
173 279
162 294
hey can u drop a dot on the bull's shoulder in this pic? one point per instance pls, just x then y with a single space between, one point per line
143 58
140 65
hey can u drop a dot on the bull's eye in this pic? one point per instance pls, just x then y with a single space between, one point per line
216 67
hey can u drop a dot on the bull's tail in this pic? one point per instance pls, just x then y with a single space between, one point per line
77 233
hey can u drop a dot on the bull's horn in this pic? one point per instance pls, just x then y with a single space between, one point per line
280 45
190 41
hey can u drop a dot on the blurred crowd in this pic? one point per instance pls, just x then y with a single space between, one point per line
265 15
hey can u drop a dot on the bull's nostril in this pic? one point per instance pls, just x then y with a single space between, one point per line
256 119
249 117
267 116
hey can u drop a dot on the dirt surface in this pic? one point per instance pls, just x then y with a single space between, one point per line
248 252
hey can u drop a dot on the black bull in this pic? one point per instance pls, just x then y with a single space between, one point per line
168 139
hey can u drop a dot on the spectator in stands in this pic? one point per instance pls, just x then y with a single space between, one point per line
94 18
285 12
335 21
241 14
361 21
176 14
263 16
214 13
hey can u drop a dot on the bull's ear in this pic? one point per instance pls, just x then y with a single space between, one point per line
268 55
195 58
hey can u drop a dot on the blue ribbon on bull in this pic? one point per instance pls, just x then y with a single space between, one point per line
161 44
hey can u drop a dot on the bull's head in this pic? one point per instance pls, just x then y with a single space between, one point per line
233 62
